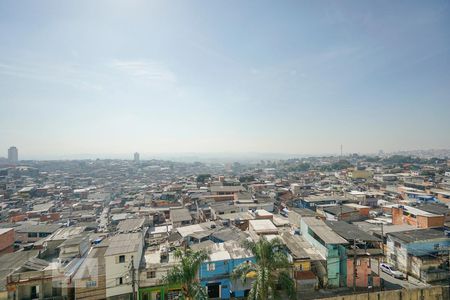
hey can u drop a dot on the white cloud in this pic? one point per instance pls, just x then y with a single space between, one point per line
149 71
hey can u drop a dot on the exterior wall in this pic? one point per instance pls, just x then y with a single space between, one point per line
427 222
396 255
221 275
418 221
336 266
294 218
115 270
157 292
85 289
335 256
6 241
24 238
304 265
438 292
397 216
364 272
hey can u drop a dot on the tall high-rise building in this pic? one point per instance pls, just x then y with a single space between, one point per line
136 157
13 154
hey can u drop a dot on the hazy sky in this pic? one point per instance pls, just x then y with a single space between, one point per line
223 76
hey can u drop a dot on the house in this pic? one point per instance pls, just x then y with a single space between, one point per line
302 256
339 212
180 217
215 274
10 262
362 248
6 240
226 189
262 227
131 225
157 263
32 233
421 253
76 246
296 214
359 174
123 254
312 202
42 278
330 246
90 280
403 214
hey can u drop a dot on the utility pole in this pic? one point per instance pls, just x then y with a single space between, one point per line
354 265
382 258
133 278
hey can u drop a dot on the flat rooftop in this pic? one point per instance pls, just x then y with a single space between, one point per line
325 233
124 243
419 235
351 232
316 198
264 225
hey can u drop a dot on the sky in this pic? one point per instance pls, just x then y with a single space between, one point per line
300 77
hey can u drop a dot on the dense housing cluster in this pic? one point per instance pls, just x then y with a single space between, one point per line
96 229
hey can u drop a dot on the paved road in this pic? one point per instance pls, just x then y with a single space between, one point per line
391 282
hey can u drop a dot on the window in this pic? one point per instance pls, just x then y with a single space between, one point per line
211 267
358 262
151 274
32 234
121 258
119 281
436 247
43 234
397 245
91 283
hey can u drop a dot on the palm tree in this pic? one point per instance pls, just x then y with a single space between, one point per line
269 273
185 274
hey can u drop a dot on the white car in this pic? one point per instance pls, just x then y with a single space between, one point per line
391 270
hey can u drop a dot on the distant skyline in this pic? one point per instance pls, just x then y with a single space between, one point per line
291 77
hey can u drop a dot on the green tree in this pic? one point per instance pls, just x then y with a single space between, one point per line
202 177
185 274
269 273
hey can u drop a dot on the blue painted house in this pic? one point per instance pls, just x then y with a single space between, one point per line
421 253
215 274
330 246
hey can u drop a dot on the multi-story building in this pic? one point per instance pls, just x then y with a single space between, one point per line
215 274
13 155
122 259
330 246
422 253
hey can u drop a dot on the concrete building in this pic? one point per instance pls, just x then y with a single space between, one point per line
124 252
33 233
368 247
157 263
330 246
13 155
403 214
421 253
6 240
136 157
215 274
90 280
